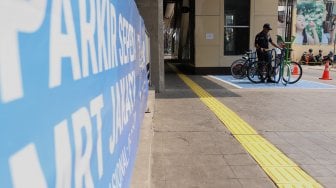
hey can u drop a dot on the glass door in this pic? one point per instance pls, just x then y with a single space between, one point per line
236 26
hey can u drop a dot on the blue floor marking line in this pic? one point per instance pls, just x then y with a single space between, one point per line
246 84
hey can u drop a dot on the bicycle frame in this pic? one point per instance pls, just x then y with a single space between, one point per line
285 64
240 66
250 57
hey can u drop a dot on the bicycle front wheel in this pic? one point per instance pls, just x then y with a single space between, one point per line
237 69
275 72
257 72
293 73
286 75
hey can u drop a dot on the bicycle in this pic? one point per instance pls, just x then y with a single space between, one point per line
259 71
240 66
290 72
282 68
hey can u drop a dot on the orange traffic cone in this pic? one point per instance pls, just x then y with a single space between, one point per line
295 70
325 75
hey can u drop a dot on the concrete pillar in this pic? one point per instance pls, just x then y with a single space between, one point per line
152 13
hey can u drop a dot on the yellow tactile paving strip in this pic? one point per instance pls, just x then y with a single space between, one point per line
282 170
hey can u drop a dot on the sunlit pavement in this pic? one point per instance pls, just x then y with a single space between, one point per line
191 147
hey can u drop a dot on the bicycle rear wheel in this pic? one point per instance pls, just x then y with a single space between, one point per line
295 72
237 69
257 72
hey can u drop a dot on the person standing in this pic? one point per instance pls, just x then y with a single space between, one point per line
261 43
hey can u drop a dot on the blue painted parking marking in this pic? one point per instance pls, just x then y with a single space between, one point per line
245 83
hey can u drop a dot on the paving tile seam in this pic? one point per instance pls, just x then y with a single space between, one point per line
282 170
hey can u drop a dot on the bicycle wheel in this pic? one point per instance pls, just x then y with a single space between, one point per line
237 69
257 72
286 74
295 72
275 71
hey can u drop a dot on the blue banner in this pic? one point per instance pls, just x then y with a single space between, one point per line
73 91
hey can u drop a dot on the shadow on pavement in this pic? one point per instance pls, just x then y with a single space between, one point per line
176 88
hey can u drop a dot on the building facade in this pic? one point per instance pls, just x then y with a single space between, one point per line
226 29
208 35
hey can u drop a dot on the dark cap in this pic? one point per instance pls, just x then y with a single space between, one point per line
267 26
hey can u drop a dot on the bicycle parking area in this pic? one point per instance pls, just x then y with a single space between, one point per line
246 84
